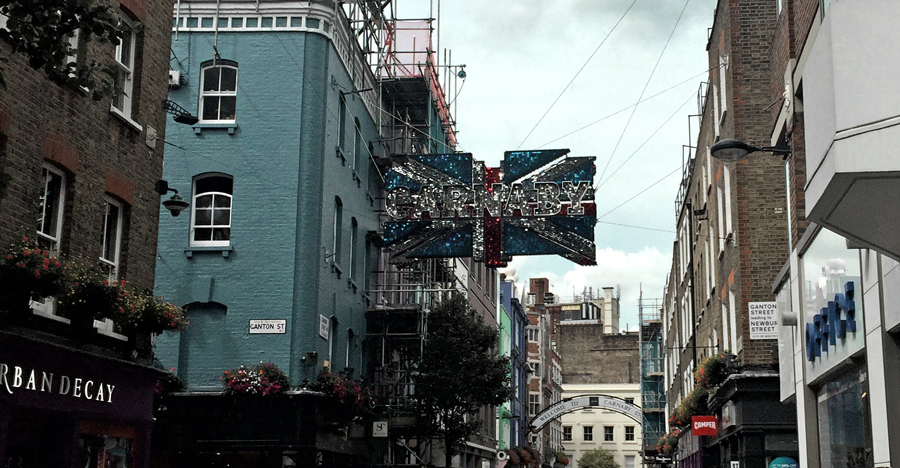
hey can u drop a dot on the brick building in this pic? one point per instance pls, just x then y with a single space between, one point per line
81 181
731 242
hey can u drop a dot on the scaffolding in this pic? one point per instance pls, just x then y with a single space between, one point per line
653 395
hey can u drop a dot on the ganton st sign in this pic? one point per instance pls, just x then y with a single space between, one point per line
582 402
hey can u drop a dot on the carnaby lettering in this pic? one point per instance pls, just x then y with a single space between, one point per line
17 378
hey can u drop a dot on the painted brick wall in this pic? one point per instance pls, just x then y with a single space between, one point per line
41 121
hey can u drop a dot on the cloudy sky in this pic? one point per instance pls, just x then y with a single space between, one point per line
521 54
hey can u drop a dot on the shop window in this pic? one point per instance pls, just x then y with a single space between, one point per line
211 212
218 91
105 452
845 431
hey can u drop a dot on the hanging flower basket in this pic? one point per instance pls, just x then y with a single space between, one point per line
351 399
264 378
27 270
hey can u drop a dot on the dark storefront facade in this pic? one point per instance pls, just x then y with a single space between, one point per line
296 428
66 407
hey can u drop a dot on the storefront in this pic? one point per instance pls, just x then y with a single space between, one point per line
826 343
68 408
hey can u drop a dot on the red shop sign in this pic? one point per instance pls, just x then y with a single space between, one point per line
704 425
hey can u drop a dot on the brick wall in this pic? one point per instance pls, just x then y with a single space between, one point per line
43 122
589 356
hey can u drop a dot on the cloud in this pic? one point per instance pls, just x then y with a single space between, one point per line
628 271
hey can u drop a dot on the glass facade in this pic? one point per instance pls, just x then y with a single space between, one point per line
845 430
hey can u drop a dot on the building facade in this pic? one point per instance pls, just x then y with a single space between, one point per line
592 428
731 241
77 178
513 417
281 178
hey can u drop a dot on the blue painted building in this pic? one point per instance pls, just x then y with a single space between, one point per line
274 255
515 415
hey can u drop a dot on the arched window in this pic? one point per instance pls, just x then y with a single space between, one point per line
218 91
211 213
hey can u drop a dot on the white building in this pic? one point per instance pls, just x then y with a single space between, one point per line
588 429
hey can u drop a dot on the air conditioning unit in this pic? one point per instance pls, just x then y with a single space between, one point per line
174 78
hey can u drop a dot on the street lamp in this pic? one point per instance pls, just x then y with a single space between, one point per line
730 150
175 204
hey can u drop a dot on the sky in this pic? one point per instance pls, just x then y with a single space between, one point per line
520 55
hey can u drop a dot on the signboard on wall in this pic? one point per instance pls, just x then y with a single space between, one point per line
704 425
763 320
267 327
323 326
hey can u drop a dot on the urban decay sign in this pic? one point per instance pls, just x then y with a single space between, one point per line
449 205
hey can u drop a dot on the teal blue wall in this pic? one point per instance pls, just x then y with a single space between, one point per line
286 176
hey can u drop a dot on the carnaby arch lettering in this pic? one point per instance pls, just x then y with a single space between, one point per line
586 401
448 205
16 379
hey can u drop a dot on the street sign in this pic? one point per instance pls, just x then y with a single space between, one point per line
380 429
267 327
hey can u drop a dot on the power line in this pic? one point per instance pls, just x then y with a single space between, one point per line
650 78
576 75
705 72
640 193
646 141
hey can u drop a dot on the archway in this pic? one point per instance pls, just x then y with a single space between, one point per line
583 402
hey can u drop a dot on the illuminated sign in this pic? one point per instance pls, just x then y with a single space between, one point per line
831 323
449 205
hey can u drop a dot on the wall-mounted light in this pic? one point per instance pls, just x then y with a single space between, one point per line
181 114
175 204
730 150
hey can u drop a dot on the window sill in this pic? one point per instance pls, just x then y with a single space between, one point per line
121 115
352 286
335 268
230 126
225 250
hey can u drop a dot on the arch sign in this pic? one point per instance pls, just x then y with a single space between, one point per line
586 401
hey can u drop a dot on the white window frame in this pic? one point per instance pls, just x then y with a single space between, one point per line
726 181
47 307
587 433
53 238
534 404
217 93
629 433
610 432
112 263
125 67
354 228
567 435
194 227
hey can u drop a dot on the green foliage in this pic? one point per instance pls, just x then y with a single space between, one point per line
352 396
693 404
40 30
711 372
458 374
597 458
668 442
